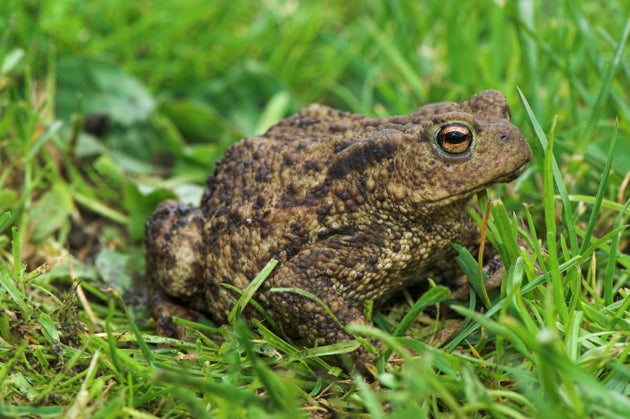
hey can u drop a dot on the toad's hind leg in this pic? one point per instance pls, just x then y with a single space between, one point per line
174 268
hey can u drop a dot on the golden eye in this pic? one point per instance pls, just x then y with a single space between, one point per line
454 138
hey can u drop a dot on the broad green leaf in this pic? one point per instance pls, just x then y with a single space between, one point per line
101 88
50 212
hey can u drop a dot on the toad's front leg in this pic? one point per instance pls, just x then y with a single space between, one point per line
300 316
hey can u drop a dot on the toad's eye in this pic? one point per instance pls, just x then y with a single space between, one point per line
454 138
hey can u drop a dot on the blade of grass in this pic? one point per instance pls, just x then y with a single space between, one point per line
526 20
278 391
432 297
604 90
369 398
8 411
41 140
7 366
14 286
612 258
4 220
601 191
550 223
475 275
251 289
606 203
192 384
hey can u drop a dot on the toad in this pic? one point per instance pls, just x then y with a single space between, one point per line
352 208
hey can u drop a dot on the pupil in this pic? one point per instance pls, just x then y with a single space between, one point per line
456 137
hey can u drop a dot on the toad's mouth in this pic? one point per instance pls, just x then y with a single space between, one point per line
507 178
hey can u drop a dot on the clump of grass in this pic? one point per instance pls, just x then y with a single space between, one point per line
75 339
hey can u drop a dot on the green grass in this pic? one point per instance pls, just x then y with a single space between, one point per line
183 80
